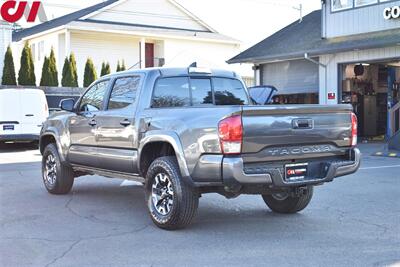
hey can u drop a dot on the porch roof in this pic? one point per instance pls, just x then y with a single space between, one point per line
149 31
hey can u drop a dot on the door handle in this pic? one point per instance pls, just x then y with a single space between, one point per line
125 122
93 122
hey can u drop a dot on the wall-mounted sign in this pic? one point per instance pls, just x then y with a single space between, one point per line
391 12
13 11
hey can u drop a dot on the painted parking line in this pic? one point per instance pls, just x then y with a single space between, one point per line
387 154
380 167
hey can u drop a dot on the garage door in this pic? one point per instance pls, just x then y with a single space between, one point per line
292 77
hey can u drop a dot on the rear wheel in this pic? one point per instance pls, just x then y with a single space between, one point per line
57 178
172 203
285 203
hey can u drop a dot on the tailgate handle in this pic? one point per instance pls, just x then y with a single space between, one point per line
303 124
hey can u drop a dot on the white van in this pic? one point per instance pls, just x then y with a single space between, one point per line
22 112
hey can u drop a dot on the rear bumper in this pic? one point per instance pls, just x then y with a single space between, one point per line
234 175
19 137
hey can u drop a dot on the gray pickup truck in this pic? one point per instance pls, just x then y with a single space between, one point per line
183 132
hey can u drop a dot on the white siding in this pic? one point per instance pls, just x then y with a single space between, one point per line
5 40
331 85
103 47
359 20
149 12
291 77
180 53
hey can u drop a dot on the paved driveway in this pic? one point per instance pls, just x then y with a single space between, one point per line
354 221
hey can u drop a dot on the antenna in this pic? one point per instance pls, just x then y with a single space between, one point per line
300 9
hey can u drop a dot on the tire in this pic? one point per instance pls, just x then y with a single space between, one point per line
57 177
283 203
172 203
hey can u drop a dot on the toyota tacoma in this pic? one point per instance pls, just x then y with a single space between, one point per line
184 132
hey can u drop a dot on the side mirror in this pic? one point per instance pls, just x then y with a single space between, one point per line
67 104
262 95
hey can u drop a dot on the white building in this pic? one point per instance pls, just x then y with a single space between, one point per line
5 40
142 33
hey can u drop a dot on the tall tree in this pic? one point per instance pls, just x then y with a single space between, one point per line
26 74
45 80
53 78
9 69
74 70
67 79
90 73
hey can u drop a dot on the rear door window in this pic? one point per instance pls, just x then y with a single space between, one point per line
171 92
229 92
123 93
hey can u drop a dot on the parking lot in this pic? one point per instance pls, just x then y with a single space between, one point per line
354 221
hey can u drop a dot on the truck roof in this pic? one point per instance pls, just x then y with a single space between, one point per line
178 72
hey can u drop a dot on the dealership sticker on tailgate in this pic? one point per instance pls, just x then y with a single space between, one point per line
294 172
8 127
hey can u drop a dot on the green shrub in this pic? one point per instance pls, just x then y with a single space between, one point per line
123 65
67 74
118 67
74 70
26 74
105 69
9 69
90 73
45 79
53 73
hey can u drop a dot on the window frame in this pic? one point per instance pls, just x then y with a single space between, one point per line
78 104
249 102
111 87
368 4
378 2
343 8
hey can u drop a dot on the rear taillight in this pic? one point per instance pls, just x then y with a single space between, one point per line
230 135
353 139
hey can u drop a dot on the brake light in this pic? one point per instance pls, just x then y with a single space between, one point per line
354 125
231 135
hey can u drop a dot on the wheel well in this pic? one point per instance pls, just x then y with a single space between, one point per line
45 140
152 151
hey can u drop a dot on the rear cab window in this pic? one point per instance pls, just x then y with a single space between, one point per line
198 91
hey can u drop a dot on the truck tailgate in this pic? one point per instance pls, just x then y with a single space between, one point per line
301 128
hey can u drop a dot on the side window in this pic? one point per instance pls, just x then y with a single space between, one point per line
229 92
171 92
123 93
92 101
201 91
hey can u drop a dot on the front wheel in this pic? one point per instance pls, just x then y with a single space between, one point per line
172 203
284 203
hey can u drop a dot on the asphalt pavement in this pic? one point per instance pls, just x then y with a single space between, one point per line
354 221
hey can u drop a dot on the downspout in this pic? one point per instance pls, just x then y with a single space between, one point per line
307 57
